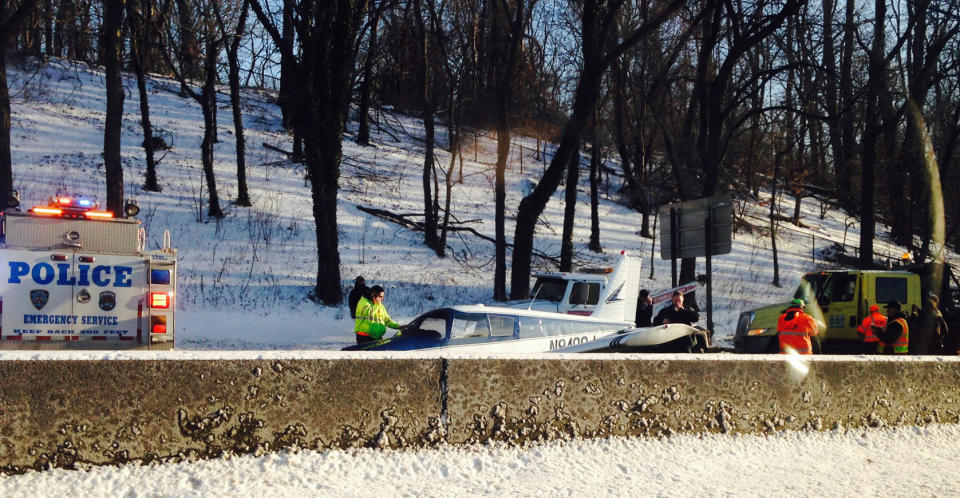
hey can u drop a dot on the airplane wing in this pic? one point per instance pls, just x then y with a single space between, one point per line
674 337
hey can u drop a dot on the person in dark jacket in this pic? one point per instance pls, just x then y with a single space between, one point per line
644 314
677 312
895 338
928 329
359 290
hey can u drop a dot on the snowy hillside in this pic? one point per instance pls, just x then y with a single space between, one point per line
244 279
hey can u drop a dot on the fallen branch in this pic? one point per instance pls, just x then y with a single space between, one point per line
277 149
405 221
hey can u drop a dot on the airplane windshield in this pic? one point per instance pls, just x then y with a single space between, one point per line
549 289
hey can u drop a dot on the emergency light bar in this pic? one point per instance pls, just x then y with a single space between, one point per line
98 214
72 207
47 211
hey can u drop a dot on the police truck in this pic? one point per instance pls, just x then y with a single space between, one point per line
78 277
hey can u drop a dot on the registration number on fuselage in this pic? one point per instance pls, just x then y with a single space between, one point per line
562 342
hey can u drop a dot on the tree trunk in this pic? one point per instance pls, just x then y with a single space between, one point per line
846 114
189 48
871 131
363 126
286 98
6 166
594 244
10 23
531 206
113 121
429 127
137 38
233 48
209 105
48 27
508 53
569 212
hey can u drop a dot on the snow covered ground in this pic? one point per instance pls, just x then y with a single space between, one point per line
244 280
917 461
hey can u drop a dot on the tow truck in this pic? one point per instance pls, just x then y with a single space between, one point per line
78 277
840 300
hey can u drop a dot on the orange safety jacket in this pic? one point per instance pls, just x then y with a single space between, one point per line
876 319
794 329
901 345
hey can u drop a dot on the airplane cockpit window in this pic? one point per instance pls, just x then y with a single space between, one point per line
501 326
469 326
436 327
530 327
553 327
549 289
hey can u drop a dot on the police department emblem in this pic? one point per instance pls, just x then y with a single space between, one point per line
39 298
108 300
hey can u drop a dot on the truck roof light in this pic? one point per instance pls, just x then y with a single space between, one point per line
66 201
47 211
98 214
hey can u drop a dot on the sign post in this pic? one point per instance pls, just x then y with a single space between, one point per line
700 227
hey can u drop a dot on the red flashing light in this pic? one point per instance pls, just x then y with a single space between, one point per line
160 300
98 214
159 328
47 211
66 201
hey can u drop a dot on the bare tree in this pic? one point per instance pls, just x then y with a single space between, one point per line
510 19
326 32
366 84
207 98
11 21
597 21
141 29
232 38
569 212
429 106
113 123
595 164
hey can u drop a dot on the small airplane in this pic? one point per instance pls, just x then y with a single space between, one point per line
667 338
481 328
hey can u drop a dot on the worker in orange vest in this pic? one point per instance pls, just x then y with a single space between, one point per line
866 329
895 338
795 328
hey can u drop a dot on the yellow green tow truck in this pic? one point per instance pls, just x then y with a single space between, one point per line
839 299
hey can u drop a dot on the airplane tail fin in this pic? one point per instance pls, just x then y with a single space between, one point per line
619 299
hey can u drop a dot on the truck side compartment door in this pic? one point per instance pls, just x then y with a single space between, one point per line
108 297
37 291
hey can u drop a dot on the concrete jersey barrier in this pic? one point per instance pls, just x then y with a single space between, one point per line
76 413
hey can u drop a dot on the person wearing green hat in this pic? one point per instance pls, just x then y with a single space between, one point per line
895 338
795 328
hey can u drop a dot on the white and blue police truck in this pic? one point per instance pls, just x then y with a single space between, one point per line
75 277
